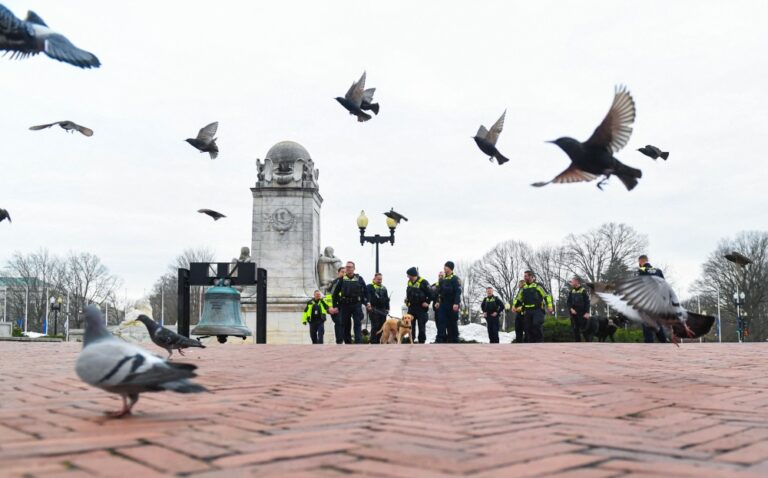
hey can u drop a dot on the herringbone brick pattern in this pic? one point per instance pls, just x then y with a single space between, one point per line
566 410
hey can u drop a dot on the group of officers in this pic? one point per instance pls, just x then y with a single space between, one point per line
348 295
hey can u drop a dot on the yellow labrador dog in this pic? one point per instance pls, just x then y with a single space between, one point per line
396 328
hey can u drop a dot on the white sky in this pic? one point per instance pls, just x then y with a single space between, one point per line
268 71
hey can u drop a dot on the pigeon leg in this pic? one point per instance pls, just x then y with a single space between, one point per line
170 352
602 182
688 332
126 410
181 352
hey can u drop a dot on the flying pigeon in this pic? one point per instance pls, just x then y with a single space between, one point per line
367 103
486 140
205 140
119 367
4 215
594 157
396 216
653 152
32 36
651 301
353 100
735 257
215 215
165 338
68 126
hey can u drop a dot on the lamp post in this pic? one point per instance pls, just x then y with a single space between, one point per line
739 301
56 307
362 224
5 303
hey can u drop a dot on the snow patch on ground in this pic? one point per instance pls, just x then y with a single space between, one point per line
470 332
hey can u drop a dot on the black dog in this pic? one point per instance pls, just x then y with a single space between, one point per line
605 328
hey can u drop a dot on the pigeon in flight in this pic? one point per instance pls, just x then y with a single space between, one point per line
4 215
486 140
165 338
736 257
650 300
353 100
594 157
68 126
119 367
214 214
32 36
653 152
367 103
395 215
205 141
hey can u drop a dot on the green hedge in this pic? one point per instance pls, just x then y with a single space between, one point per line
559 330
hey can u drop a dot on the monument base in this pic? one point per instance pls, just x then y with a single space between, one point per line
283 321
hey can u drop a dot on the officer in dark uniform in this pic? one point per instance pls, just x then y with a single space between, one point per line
519 320
338 327
449 299
578 307
646 269
378 306
530 301
492 308
418 295
349 298
314 315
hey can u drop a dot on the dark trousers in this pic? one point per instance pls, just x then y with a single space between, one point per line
338 328
316 331
420 318
533 320
350 313
577 324
520 329
493 328
377 321
447 324
649 333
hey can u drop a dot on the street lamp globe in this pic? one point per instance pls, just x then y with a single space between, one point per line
391 223
362 220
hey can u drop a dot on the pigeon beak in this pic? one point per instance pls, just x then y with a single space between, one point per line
553 142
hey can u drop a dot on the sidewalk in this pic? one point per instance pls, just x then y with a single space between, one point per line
566 410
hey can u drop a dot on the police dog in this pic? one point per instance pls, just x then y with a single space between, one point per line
396 328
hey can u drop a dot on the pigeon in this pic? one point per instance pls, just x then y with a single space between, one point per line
119 367
4 215
735 257
205 140
214 214
396 216
68 126
367 103
167 339
653 152
650 300
594 157
486 140
32 36
353 100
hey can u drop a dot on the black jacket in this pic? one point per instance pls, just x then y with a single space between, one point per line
492 304
416 293
578 300
649 270
449 290
378 298
350 291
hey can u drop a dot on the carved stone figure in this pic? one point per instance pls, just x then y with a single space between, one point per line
287 164
327 266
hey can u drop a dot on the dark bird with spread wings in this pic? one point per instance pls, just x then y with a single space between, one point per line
653 152
4 215
367 103
651 301
68 126
210 212
486 140
395 216
738 258
206 141
31 36
594 157
353 100
167 339
126 369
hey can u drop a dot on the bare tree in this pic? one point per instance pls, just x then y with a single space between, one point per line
549 265
591 254
471 292
501 268
38 276
89 282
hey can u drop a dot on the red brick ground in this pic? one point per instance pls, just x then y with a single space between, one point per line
567 410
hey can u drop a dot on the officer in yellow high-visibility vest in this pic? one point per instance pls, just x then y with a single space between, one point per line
314 315
530 301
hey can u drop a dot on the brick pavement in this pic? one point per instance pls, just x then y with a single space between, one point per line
567 410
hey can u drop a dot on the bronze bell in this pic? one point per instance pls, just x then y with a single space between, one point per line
221 314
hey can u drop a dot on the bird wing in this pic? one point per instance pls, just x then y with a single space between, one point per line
368 94
43 126
482 133
164 337
355 93
651 296
613 133
59 48
493 135
4 215
572 174
9 23
33 17
86 131
208 132
109 362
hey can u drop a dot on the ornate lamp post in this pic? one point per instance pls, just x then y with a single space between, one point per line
56 307
739 299
362 224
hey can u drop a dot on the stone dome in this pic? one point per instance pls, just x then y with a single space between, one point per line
287 151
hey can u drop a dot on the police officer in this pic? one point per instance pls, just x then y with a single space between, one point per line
314 315
519 322
492 308
338 327
646 269
449 298
578 307
418 295
530 301
378 306
349 298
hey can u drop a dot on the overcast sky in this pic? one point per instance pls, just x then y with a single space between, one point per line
268 71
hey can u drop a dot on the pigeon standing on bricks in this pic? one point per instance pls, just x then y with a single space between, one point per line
167 339
68 126
486 140
118 367
205 141
353 100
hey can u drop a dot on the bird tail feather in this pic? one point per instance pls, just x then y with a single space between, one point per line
664 155
697 323
627 175
361 117
375 108
501 159
183 386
